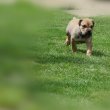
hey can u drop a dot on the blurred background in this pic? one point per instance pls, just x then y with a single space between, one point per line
80 7
24 25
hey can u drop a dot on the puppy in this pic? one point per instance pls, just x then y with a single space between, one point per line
80 31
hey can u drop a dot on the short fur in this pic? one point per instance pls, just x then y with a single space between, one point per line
80 31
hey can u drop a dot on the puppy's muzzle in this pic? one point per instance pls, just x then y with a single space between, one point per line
89 33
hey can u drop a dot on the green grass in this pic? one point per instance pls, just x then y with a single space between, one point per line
36 68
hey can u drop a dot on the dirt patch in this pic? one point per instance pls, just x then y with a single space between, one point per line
83 7
91 8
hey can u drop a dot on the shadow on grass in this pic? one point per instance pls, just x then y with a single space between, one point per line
52 59
72 59
95 53
77 87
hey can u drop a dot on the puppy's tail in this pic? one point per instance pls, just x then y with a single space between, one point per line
74 18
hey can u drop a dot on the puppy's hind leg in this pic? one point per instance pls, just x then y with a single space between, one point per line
74 48
68 39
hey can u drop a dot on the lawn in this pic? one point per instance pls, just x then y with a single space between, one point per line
37 70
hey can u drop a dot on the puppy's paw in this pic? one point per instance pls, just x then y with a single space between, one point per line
88 54
67 42
75 53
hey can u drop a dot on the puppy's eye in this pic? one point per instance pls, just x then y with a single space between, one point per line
84 26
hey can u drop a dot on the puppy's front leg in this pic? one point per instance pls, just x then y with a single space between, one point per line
74 48
68 39
89 46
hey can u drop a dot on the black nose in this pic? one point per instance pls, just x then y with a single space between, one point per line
89 31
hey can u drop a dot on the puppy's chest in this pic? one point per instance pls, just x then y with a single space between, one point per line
79 37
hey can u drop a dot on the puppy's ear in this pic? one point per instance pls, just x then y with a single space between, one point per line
80 22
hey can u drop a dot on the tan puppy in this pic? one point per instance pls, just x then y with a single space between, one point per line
80 31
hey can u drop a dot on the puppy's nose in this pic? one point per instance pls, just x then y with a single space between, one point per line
89 30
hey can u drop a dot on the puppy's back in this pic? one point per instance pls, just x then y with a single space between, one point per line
74 23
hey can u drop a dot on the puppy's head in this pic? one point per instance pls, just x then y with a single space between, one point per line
86 26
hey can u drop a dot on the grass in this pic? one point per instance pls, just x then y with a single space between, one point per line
38 70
